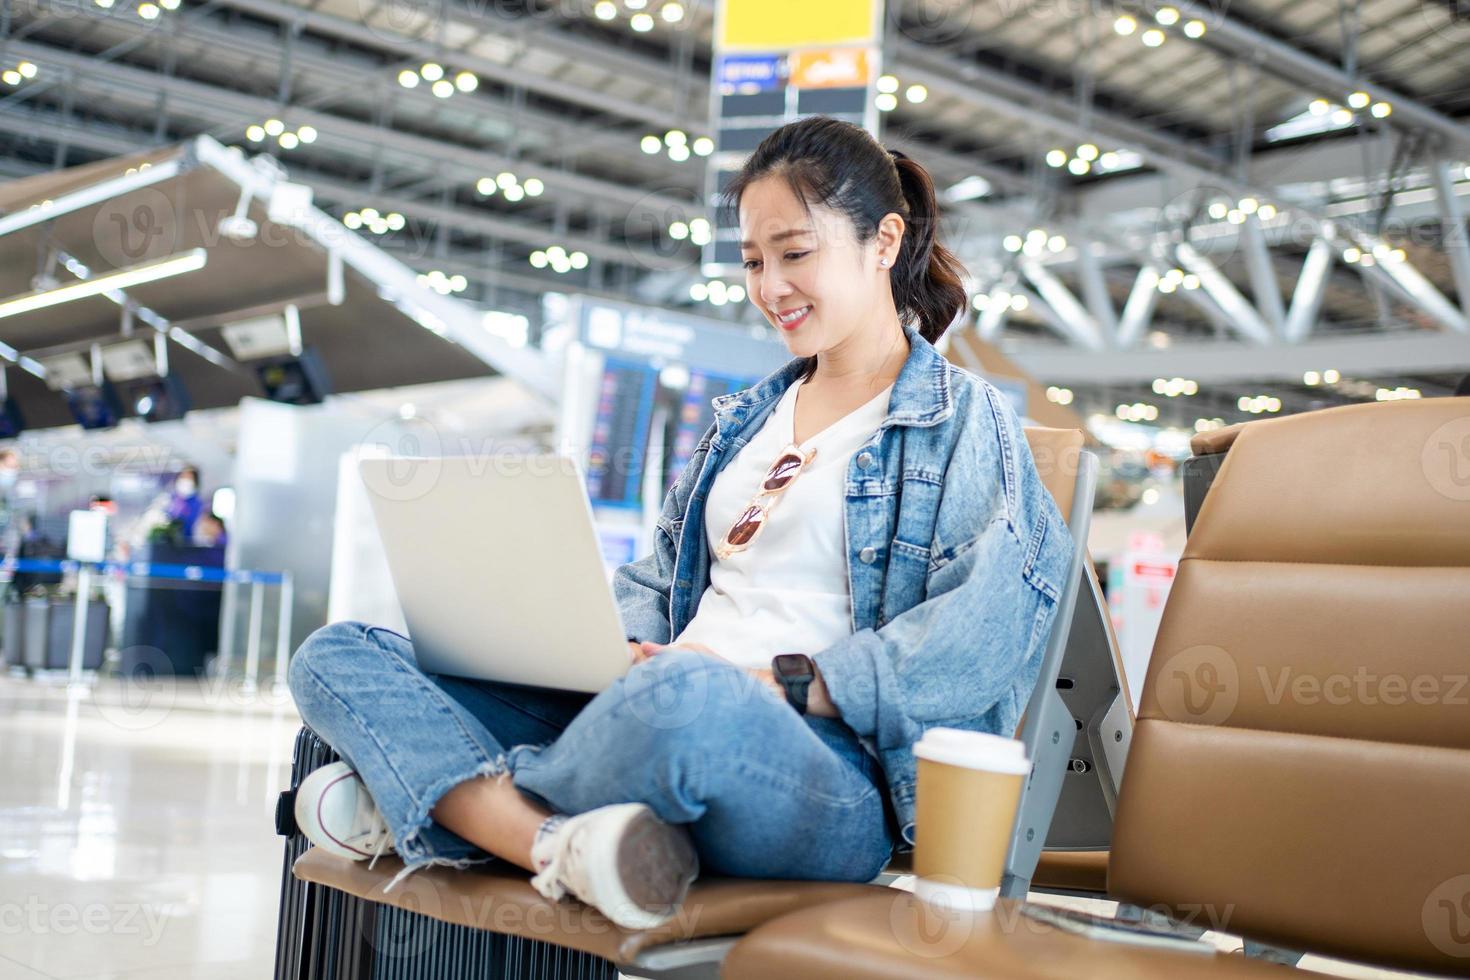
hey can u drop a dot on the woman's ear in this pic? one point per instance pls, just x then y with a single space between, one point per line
890 237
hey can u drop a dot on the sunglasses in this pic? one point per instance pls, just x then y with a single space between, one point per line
748 525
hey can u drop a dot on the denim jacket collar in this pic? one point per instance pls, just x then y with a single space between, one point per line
920 397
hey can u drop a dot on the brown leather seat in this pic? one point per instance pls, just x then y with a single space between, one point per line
1301 765
1062 871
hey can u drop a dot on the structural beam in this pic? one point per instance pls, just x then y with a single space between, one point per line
1405 352
1138 312
1240 315
1060 308
1311 287
1456 237
1264 285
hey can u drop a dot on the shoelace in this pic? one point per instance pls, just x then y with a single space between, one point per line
380 827
548 881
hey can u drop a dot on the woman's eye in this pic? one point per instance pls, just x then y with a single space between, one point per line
793 256
750 264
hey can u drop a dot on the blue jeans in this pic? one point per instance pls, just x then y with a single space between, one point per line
765 792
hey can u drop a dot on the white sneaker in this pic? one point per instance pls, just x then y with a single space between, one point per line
622 860
335 812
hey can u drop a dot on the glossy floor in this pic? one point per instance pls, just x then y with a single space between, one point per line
136 833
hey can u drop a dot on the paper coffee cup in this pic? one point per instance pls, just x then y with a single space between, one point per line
965 813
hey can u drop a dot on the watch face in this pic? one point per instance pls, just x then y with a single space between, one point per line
792 665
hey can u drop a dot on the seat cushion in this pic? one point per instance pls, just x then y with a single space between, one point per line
893 937
498 897
1072 871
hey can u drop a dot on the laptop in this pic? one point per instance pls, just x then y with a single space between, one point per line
498 568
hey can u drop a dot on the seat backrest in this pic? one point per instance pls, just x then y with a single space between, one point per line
1300 769
1056 453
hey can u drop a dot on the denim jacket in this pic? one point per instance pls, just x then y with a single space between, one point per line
956 555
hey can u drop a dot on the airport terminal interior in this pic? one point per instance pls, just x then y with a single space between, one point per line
1215 274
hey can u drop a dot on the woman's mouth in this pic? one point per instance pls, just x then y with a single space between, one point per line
792 319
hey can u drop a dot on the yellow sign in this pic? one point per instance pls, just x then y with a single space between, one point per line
837 68
774 25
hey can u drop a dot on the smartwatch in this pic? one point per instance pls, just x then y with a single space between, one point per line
795 672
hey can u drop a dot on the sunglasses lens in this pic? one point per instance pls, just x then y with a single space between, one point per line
783 471
747 524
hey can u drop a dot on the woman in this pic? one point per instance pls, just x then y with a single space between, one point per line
869 508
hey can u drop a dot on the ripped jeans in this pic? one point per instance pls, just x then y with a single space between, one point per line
765 792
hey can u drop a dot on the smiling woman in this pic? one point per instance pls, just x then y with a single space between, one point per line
839 239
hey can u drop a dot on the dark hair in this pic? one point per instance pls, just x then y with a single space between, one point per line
841 166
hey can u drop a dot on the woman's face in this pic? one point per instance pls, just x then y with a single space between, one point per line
806 271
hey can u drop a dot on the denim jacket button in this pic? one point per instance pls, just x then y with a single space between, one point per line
865 460
867 556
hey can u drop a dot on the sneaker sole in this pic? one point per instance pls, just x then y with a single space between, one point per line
656 864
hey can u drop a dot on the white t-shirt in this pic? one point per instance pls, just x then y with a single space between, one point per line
787 592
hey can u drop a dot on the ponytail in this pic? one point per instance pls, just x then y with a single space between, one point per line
927 284
841 166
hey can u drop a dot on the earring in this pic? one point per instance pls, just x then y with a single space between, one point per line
883 263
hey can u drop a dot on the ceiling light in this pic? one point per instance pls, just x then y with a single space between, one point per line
274 127
1249 205
672 13
1087 152
1056 243
1152 38
1195 29
736 294
122 279
254 134
485 186
1266 212
1342 117
1218 210
679 153
394 221
698 292
408 79
306 134
1078 166
534 187
1056 158
642 23
1125 25
538 259
1351 255
514 193
1190 281
1019 303
916 94
1319 107
27 69
1235 217
288 141
11 77
1311 378
443 88
886 102
1358 100
505 180
1012 243
466 81
1331 376
651 144
675 137
1109 160
432 72
604 10
887 84
704 146
148 11
678 231
1167 16
352 220
1381 110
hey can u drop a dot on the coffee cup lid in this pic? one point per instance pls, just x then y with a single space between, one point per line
973 750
